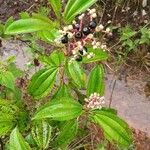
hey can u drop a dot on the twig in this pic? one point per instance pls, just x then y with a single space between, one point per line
110 99
28 44
74 144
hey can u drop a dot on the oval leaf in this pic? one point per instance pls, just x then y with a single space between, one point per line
61 110
96 81
27 26
48 35
42 82
77 74
115 129
41 133
17 142
63 91
75 7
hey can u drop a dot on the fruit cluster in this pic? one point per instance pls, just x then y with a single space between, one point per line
95 101
80 33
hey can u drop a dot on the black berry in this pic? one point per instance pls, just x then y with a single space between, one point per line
93 24
64 39
77 26
81 51
84 49
78 35
86 30
78 58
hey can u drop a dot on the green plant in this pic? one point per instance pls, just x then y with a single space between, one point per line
135 44
71 97
145 36
127 37
8 74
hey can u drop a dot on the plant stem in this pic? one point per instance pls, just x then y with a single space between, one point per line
110 99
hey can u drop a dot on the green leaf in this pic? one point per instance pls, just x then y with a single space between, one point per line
43 18
7 107
6 127
61 110
96 81
77 74
24 15
63 91
115 129
111 110
99 55
42 82
145 37
75 7
14 70
2 29
7 117
41 133
28 25
9 21
17 142
15 95
67 133
56 5
30 140
48 35
56 58
7 79
127 33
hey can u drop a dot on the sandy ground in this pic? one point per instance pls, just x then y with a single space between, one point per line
131 104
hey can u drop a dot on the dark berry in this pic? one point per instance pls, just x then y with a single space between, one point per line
78 58
77 26
84 49
93 24
36 62
64 39
81 51
78 35
86 30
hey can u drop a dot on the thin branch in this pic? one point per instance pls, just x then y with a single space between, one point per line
111 95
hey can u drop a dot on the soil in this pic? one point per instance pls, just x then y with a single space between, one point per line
128 95
13 8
